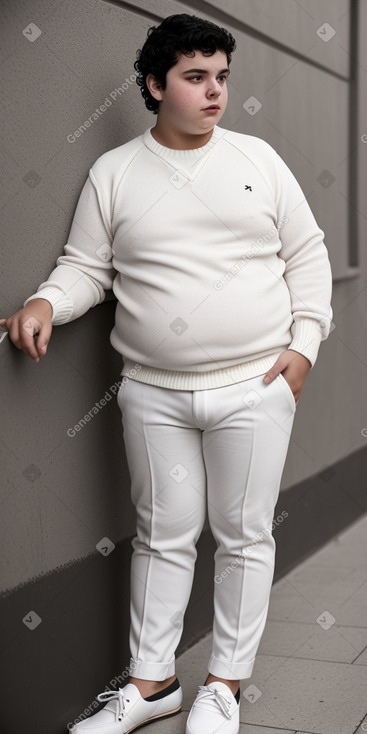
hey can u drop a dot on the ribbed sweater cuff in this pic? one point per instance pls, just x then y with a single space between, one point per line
306 338
62 305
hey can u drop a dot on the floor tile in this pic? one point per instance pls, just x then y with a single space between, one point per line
305 595
361 660
307 696
248 729
302 640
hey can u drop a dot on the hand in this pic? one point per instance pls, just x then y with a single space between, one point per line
30 328
294 368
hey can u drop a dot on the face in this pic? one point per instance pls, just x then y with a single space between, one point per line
194 84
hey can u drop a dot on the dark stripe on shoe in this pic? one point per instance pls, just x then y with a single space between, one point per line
164 692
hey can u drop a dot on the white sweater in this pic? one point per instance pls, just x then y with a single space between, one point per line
214 255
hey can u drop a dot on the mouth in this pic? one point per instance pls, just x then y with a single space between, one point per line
213 107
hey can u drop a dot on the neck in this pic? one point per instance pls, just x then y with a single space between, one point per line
170 138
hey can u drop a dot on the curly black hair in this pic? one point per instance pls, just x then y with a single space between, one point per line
176 35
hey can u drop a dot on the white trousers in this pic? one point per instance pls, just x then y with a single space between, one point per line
223 449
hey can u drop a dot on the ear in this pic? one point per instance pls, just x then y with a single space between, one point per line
154 87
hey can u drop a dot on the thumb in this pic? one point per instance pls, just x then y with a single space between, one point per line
43 338
274 371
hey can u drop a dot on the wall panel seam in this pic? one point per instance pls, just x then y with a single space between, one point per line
223 17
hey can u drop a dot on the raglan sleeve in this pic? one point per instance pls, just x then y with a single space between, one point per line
307 266
84 272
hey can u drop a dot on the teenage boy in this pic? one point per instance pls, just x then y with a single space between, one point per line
223 288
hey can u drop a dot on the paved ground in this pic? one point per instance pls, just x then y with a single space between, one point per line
310 674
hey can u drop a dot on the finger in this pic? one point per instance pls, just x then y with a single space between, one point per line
272 373
29 348
27 329
280 365
13 332
43 339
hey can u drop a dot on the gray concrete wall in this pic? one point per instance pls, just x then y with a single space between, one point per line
61 495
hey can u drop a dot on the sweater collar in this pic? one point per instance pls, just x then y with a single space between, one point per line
190 156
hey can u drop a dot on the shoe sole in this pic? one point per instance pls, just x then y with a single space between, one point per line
167 715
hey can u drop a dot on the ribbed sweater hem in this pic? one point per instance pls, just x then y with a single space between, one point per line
176 380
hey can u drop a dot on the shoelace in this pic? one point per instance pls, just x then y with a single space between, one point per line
119 695
220 697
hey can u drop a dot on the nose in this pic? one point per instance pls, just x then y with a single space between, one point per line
214 88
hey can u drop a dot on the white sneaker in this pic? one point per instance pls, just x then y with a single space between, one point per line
215 710
126 710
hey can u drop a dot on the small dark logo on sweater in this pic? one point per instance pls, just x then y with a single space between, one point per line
248 188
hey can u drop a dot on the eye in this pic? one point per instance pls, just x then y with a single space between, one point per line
222 78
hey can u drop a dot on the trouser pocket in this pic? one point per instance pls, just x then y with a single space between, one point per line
288 391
